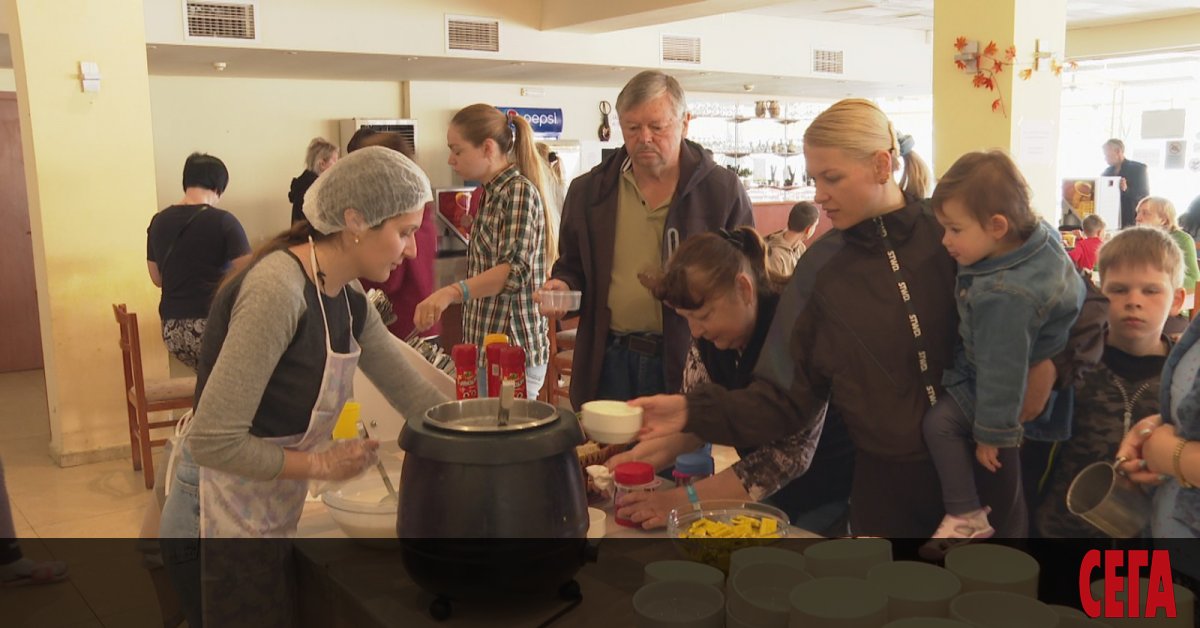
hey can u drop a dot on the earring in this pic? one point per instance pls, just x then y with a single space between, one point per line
356 239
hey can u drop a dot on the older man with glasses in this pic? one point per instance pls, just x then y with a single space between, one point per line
625 216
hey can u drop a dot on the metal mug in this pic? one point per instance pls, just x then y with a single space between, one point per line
1110 501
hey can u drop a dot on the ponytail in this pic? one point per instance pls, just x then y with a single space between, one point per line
530 165
915 178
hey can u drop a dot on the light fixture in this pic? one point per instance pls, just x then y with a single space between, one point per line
219 66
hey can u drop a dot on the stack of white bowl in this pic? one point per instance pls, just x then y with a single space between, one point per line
853 583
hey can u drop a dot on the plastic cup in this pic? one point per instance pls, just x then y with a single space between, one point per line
758 593
686 570
838 603
915 589
597 523
679 604
558 302
846 557
1001 609
991 567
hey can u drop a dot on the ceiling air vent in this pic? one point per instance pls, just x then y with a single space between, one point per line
680 49
221 20
827 61
472 34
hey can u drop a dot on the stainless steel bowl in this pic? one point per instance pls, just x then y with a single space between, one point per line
480 415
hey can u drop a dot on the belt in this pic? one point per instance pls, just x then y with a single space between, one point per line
645 344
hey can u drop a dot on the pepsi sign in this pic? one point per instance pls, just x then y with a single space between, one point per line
547 123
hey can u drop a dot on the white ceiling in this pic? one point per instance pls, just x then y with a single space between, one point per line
918 14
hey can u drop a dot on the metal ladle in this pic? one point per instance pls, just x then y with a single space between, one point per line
506 402
387 481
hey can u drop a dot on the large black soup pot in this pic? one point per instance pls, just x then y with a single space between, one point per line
489 512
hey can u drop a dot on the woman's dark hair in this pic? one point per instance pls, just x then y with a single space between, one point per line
205 171
707 265
386 139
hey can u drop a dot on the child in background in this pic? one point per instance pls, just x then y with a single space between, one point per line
1018 295
1141 273
1087 248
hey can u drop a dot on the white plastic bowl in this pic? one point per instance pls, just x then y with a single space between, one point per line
360 509
611 422
559 301
679 604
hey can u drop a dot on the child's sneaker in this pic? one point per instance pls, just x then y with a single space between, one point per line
956 530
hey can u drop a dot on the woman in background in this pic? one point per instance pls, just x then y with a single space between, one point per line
189 248
321 154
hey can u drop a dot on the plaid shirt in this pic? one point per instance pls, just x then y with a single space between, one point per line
510 229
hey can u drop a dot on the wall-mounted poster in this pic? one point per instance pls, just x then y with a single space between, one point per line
458 207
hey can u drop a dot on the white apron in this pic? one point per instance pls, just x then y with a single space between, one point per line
237 574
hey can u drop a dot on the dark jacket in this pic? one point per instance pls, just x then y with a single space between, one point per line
1137 187
300 185
852 343
707 198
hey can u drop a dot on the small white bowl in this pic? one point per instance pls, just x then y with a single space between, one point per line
758 593
611 422
669 570
361 508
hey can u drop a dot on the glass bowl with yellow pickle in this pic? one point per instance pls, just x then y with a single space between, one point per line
722 526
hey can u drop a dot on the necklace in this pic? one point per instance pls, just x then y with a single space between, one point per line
1129 401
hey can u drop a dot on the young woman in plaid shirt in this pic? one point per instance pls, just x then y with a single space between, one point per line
510 247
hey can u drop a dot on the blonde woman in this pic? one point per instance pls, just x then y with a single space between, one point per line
321 154
506 257
866 325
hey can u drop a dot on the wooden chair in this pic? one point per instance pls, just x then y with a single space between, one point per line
562 352
144 396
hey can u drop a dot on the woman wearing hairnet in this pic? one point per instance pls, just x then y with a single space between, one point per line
276 365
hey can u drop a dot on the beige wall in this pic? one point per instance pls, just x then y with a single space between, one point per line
89 164
1173 33
8 80
259 128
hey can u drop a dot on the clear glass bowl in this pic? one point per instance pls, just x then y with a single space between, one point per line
716 551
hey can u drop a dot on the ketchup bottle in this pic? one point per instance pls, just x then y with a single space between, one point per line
466 370
512 368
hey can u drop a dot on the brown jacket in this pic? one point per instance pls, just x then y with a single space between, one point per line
707 198
842 334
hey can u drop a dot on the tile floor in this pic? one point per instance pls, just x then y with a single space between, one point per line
107 586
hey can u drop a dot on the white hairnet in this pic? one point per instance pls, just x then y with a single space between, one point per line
378 182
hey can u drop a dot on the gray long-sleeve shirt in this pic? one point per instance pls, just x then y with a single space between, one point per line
263 358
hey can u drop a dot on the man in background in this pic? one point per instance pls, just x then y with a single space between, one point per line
784 247
1135 185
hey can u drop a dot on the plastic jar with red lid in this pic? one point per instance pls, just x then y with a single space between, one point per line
632 477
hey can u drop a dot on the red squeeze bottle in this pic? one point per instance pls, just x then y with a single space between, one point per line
466 370
492 353
512 368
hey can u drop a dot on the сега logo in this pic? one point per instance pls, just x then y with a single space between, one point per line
1159 595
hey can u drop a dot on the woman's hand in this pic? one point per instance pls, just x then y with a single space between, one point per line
343 459
662 415
430 310
1144 455
650 509
1037 391
988 456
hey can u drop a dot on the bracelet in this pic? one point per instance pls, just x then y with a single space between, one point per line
692 497
462 287
1177 459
